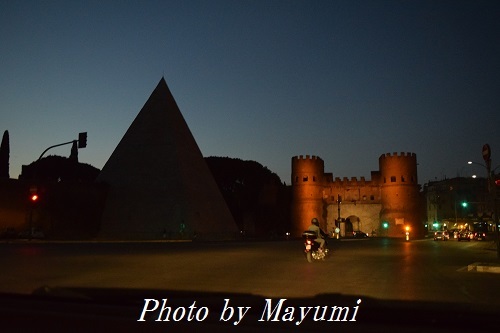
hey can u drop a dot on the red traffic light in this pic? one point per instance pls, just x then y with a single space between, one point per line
497 182
33 194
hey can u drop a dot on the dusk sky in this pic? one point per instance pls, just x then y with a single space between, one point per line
259 80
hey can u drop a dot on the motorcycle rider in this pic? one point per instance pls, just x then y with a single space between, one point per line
320 234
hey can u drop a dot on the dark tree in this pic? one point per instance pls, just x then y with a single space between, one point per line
256 197
59 169
4 156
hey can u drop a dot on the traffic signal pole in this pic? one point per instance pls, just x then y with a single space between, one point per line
61 144
82 143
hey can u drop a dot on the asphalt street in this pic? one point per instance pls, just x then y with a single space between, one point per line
248 286
380 268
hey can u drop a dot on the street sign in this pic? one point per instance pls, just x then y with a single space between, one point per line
486 152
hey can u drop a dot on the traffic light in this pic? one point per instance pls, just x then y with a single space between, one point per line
82 140
33 197
385 225
464 204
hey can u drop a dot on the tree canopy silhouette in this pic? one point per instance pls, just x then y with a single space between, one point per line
59 169
254 194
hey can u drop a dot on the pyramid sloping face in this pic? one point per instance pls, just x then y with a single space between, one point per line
159 184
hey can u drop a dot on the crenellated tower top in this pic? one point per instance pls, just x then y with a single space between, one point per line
399 155
305 167
398 168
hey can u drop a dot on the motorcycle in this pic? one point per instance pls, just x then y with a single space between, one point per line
311 250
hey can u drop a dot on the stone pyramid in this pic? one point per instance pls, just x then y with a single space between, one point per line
160 187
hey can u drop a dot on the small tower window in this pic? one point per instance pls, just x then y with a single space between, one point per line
305 179
393 179
403 179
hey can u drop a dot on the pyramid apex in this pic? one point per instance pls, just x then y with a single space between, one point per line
162 83
159 182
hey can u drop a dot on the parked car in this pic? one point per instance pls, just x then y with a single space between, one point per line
441 235
479 235
359 234
464 236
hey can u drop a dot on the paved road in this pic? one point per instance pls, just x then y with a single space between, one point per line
103 286
380 268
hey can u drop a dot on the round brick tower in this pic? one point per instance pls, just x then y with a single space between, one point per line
400 195
307 192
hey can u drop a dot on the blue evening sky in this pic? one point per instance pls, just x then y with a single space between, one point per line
259 80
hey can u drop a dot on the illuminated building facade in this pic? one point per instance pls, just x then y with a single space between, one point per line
383 206
458 203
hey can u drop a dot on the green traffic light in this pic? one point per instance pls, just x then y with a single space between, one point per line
385 225
464 204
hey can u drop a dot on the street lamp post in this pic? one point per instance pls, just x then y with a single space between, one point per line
492 192
337 229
